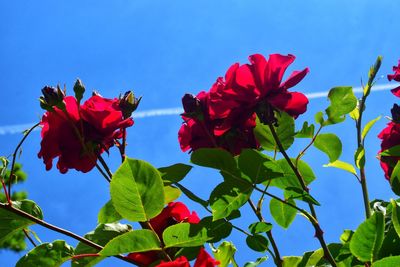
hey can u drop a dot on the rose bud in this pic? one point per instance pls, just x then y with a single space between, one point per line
395 113
128 104
191 106
52 97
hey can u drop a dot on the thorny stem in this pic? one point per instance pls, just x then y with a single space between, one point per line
276 255
360 144
15 155
29 237
59 230
318 231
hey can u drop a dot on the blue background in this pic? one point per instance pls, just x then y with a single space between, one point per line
163 49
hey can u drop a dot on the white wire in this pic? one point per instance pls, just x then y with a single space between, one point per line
19 128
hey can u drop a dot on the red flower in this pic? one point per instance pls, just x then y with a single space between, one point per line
78 135
396 77
178 262
251 87
200 131
390 137
203 260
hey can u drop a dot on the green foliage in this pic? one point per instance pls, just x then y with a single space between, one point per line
342 165
225 254
395 179
284 130
192 196
101 236
12 223
388 262
343 101
298 193
132 241
108 214
289 178
216 230
257 242
47 255
256 263
282 213
185 235
215 158
174 173
368 127
260 227
171 193
136 190
307 131
330 144
368 238
258 167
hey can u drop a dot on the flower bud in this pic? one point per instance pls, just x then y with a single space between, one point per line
79 90
192 106
128 103
52 97
395 113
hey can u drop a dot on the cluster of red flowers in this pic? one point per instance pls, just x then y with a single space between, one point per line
391 134
175 212
226 115
78 134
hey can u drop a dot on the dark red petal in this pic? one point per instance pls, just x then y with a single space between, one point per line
294 78
293 103
205 260
178 262
184 137
144 258
396 91
277 65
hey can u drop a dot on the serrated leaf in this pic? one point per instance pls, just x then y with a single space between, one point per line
260 227
282 213
101 236
171 193
12 223
368 127
174 173
225 254
289 179
47 255
342 165
108 214
136 190
306 131
185 235
284 130
368 237
257 242
133 241
228 197
330 144
258 167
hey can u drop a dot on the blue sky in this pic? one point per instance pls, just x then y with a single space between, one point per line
163 49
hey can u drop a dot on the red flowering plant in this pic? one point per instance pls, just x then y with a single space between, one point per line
243 127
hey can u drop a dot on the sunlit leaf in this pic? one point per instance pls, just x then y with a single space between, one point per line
330 144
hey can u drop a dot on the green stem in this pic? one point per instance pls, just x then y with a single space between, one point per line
147 225
308 146
26 233
59 230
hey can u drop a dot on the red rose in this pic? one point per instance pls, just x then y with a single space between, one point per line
203 260
395 76
78 135
248 87
178 262
390 137
200 131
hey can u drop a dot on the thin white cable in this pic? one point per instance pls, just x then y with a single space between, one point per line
19 128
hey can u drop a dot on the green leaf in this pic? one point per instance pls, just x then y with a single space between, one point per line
15 242
185 235
355 114
192 196
368 127
359 157
171 193
216 230
101 236
342 165
290 261
227 197
258 167
257 242
215 158
260 227
284 130
136 190
330 144
133 241
289 179
174 173
298 193
47 255
390 245
368 237
395 179
108 214
371 75
388 262
282 213
256 263
394 151
343 101
319 117
12 223
306 131
395 216
225 254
